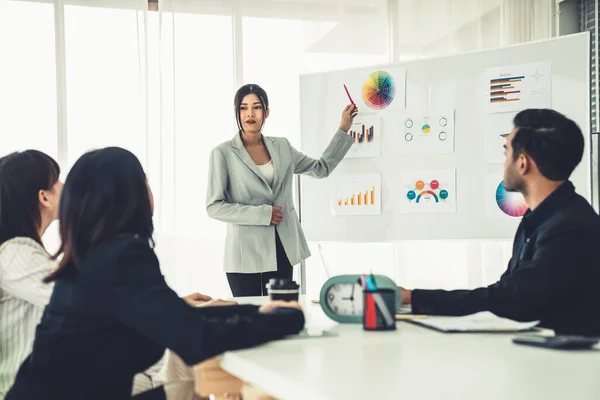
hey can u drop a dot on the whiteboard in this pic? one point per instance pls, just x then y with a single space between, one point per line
455 86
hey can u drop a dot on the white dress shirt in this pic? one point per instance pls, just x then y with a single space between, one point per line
23 296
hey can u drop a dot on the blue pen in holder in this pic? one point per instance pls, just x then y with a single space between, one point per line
379 309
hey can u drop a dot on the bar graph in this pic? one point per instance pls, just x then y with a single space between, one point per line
357 194
366 198
505 89
362 135
517 87
366 133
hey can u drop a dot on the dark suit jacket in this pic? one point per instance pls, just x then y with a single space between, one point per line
115 317
553 275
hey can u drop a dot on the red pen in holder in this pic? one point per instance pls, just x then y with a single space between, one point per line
379 310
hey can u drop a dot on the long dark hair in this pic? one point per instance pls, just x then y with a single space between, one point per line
22 176
105 195
239 97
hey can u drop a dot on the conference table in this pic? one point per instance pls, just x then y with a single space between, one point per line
411 362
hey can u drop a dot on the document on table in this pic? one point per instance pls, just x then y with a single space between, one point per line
480 322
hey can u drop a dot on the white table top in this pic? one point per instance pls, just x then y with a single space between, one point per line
414 363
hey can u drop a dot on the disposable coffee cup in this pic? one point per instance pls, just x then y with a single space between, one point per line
283 289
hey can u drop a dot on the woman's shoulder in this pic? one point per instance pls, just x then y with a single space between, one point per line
22 251
20 243
23 247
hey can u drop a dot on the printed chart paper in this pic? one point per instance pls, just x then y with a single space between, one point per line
379 89
517 87
497 129
428 191
500 203
422 133
366 132
356 194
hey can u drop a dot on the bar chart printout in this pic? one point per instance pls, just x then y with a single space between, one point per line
366 133
503 90
357 194
517 87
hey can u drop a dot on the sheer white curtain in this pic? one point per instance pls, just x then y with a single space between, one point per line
196 86
27 77
105 94
428 28
28 83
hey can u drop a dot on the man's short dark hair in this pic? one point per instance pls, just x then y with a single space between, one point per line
552 140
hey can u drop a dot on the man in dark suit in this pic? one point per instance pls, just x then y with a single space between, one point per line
554 273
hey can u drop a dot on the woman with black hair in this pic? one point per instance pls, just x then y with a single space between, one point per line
112 314
250 188
29 198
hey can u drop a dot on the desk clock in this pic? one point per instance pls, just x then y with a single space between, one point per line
342 297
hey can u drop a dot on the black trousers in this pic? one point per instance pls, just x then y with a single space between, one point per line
243 285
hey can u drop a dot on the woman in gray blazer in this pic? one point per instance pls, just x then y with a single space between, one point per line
250 188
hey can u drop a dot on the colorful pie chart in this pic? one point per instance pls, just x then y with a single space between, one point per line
511 203
379 90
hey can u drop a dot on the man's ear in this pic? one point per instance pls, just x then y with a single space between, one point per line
524 164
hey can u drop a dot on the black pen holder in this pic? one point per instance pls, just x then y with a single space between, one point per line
379 310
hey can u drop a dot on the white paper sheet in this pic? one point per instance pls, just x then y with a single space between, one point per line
480 322
428 191
517 87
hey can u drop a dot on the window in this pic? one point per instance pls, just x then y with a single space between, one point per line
105 92
27 77
191 250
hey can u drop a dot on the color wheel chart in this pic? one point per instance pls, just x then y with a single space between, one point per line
358 194
511 203
378 90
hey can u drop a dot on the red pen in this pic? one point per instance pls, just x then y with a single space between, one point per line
350 97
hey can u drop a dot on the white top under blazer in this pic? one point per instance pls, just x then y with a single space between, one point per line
268 172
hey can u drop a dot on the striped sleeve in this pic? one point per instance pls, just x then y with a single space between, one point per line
22 269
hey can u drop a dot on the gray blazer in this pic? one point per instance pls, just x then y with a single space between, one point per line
239 195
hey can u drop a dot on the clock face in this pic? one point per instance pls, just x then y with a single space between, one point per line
345 298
